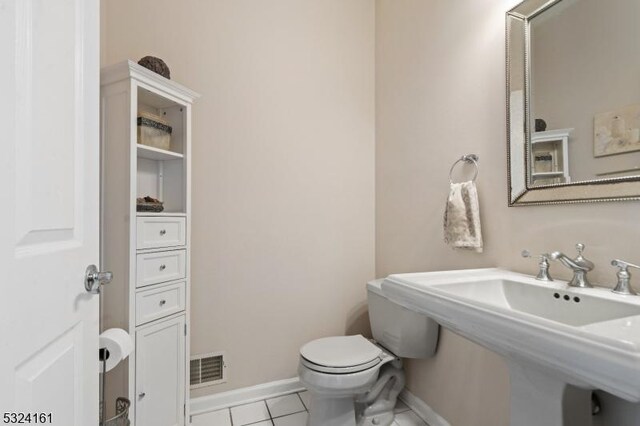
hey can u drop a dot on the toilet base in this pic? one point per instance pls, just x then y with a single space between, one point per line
340 410
362 398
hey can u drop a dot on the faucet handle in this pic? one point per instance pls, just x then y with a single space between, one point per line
526 253
543 264
580 247
624 277
623 264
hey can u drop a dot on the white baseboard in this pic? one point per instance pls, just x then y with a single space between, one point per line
247 395
241 396
423 411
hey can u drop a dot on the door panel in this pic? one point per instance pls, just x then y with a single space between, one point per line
52 365
48 130
49 217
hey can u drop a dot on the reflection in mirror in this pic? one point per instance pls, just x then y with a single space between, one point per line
585 78
573 101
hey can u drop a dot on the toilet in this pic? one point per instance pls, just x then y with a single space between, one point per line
354 381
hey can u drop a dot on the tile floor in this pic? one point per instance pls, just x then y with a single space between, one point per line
287 410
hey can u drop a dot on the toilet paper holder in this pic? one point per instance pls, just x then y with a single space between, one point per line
121 417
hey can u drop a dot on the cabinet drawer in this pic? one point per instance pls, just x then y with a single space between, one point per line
157 232
159 301
159 267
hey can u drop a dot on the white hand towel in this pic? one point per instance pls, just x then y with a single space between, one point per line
462 218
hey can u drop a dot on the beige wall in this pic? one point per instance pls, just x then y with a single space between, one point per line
283 178
440 93
283 173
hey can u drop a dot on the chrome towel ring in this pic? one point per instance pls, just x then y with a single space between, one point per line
468 158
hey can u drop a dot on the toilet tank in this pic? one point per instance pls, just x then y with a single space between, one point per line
406 333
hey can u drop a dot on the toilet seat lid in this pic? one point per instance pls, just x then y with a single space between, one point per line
341 351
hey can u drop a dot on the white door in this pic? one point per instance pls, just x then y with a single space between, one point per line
49 209
160 373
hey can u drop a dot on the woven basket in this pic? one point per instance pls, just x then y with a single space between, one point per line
154 131
122 413
148 204
149 207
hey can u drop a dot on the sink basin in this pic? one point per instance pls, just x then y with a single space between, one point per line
543 302
551 335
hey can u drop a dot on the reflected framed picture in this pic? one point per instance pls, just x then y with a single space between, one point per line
617 132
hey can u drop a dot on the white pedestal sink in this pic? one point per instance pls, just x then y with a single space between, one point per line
561 343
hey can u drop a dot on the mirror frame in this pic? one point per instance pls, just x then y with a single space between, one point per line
518 64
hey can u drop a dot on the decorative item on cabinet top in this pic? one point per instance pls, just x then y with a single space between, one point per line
156 65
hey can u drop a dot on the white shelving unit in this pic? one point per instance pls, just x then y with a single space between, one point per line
148 253
556 144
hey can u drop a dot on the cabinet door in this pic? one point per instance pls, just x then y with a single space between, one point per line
160 373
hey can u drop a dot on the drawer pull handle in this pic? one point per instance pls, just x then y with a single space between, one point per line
163 232
163 302
142 395
163 267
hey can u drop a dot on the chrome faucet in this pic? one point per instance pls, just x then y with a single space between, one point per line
624 277
543 265
580 266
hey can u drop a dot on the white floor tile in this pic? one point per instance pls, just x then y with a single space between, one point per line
249 413
304 395
287 410
215 418
284 405
400 407
409 418
299 419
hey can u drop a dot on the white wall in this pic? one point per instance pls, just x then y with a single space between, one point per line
440 93
283 178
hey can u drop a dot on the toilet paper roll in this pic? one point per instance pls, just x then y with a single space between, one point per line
119 344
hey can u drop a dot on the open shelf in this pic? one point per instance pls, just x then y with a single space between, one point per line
152 153
156 100
162 213
547 175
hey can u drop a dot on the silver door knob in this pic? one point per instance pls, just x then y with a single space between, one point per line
93 279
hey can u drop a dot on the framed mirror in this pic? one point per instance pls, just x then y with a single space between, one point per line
573 101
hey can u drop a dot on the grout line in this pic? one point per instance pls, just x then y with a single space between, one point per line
301 400
259 421
268 411
295 412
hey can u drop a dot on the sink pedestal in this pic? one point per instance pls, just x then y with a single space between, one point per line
540 398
